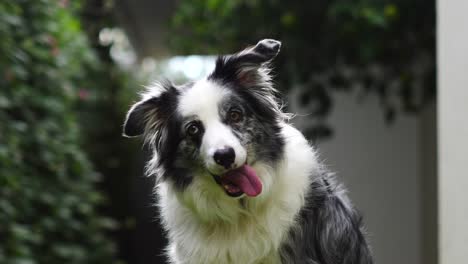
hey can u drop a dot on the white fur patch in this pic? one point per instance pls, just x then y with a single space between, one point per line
202 100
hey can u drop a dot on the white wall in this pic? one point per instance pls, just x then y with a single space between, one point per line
380 164
453 130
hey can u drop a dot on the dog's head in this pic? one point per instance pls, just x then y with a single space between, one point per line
213 132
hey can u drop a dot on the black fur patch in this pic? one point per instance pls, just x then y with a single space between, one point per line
262 126
169 138
329 230
158 116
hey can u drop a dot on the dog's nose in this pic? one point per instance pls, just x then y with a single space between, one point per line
225 157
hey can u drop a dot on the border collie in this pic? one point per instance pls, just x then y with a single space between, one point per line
236 182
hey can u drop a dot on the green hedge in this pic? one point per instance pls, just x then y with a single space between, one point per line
48 200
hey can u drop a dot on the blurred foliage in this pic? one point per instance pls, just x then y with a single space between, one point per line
48 200
102 112
382 47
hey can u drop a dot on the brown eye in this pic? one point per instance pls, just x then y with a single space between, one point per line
235 116
193 129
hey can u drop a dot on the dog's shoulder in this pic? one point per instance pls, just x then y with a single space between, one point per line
329 229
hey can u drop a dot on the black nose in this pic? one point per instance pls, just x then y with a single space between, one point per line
225 157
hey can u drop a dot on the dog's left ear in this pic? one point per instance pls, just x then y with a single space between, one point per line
264 51
249 66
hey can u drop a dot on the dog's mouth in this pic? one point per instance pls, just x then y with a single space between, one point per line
243 180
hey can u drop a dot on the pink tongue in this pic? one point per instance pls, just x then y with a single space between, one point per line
246 179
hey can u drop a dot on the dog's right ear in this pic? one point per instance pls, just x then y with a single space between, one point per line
135 123
152 111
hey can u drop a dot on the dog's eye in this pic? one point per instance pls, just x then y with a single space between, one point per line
235 115
193 129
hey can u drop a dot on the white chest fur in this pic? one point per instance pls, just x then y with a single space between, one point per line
206 226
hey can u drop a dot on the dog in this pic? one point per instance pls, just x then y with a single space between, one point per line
236 182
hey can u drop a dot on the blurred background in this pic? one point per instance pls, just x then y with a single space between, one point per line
360 75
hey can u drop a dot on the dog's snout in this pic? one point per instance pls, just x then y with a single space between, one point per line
225 157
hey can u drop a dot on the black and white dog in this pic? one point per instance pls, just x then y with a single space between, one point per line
236 182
